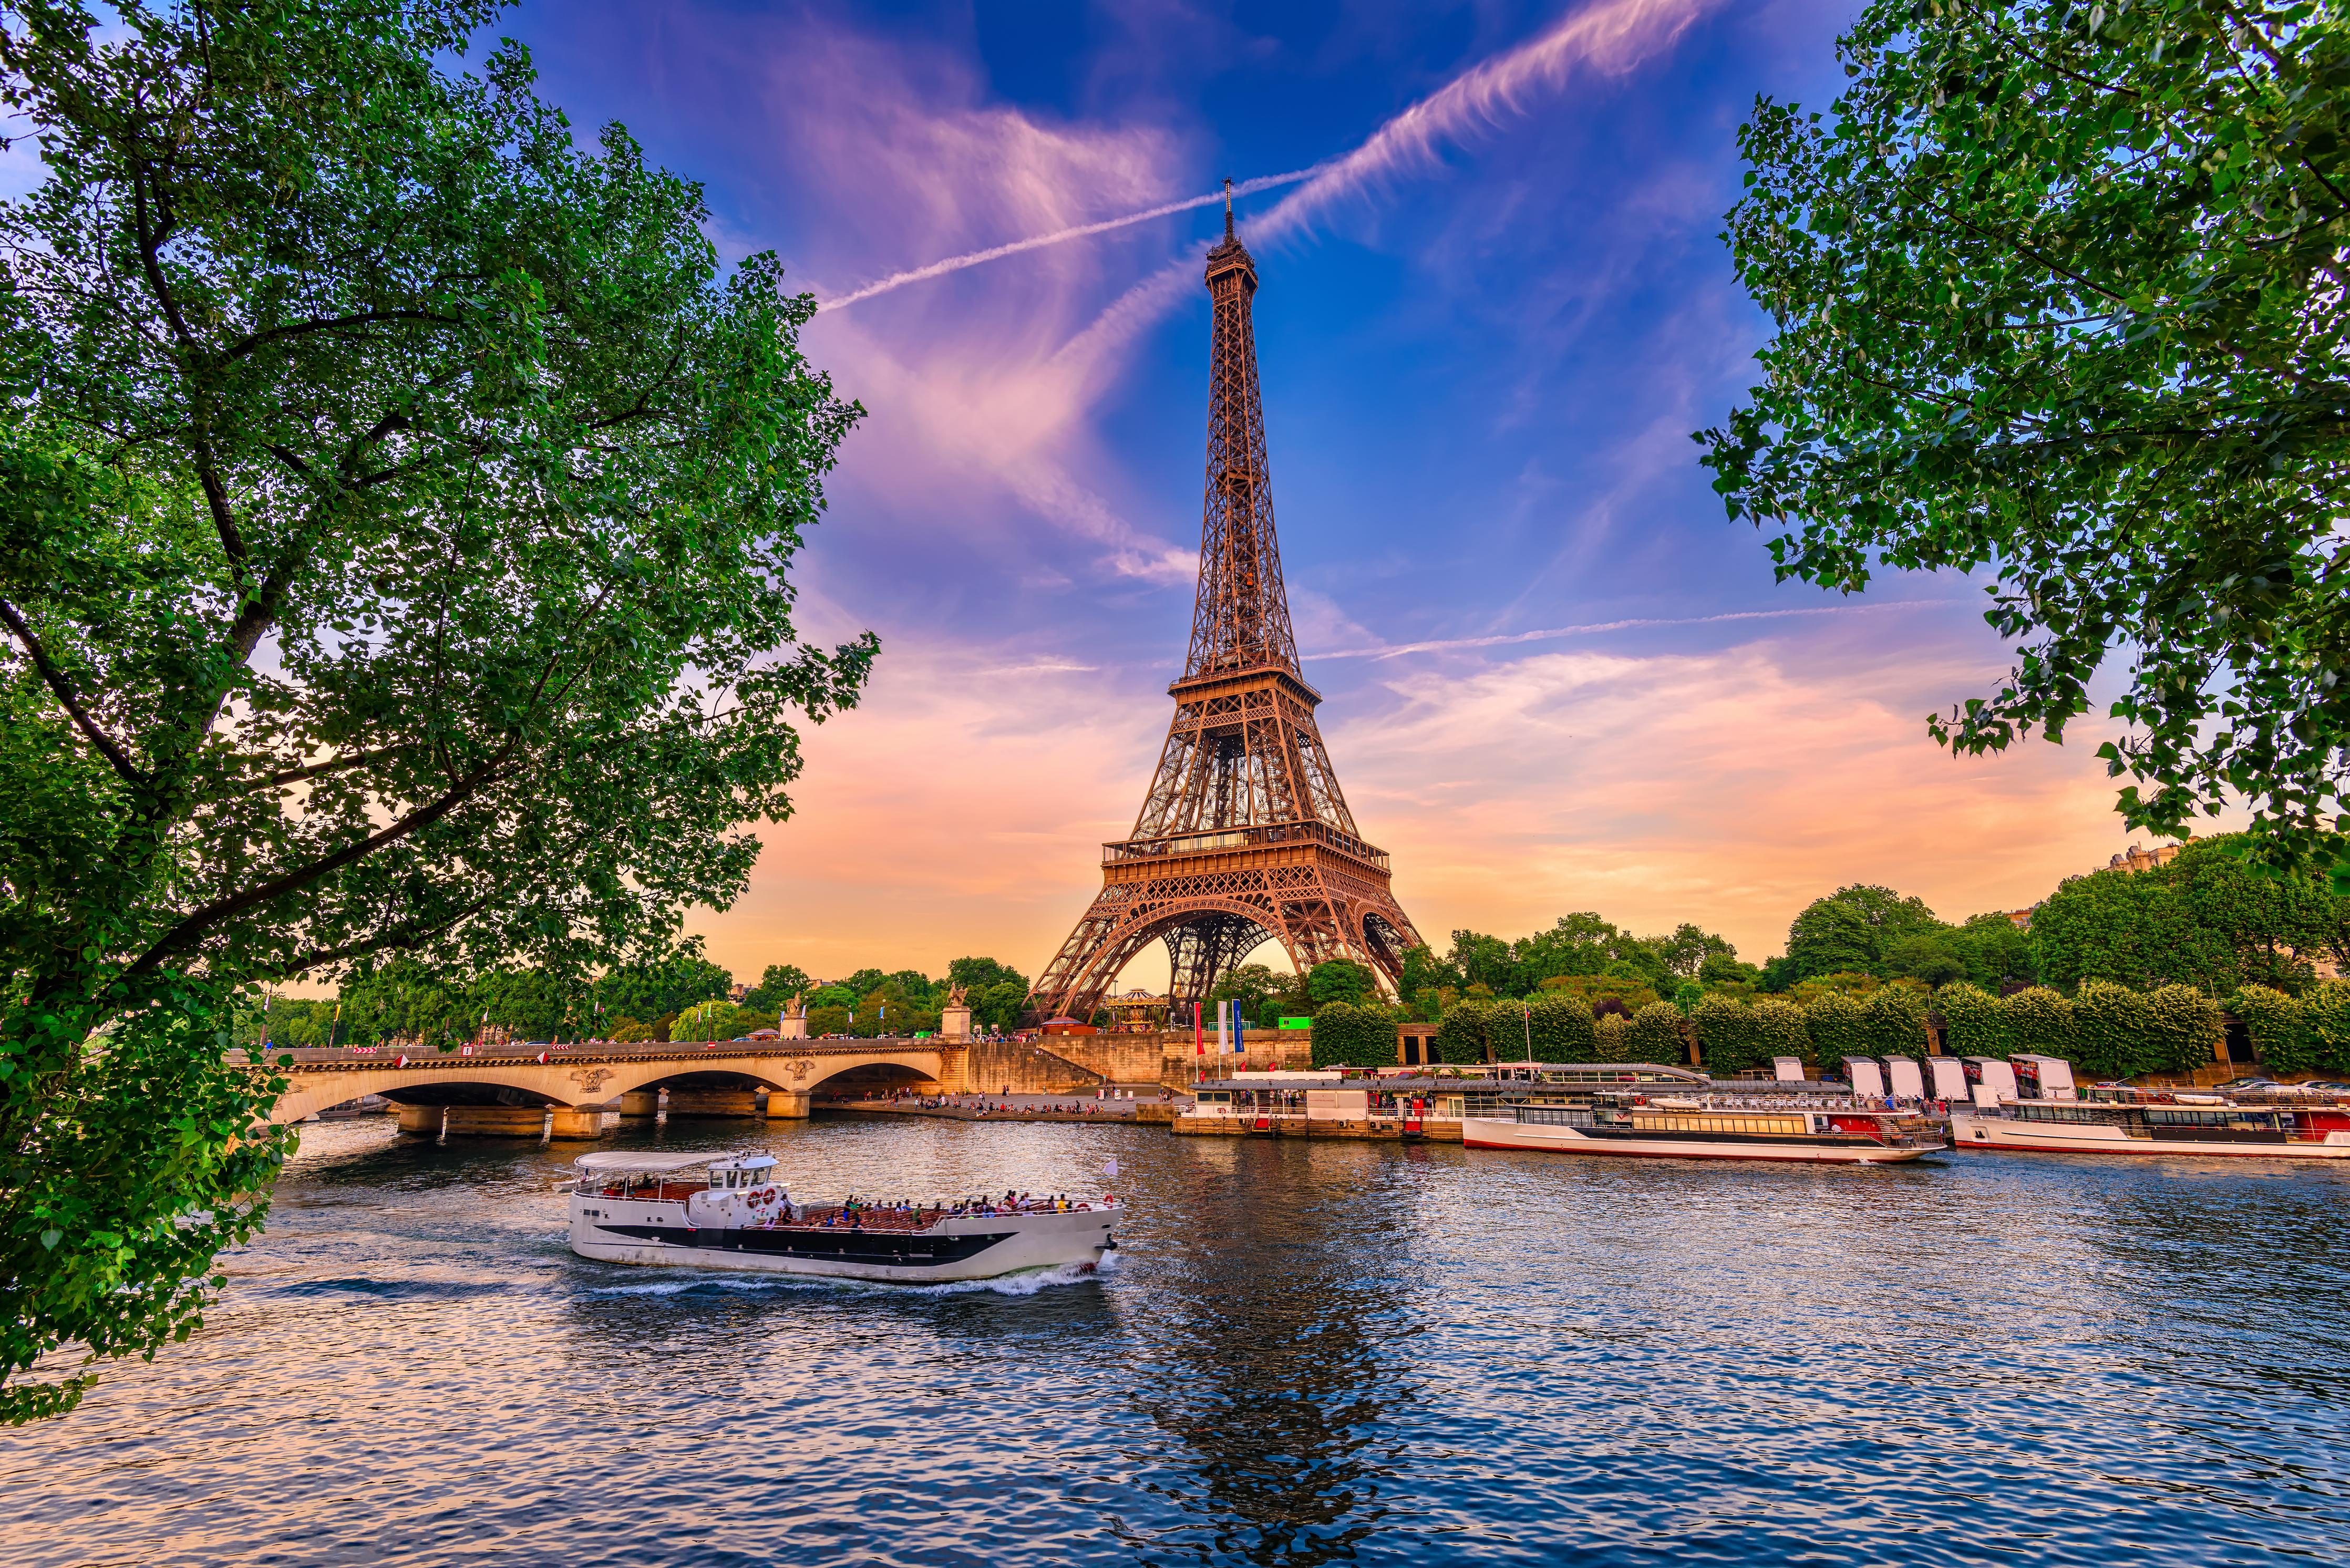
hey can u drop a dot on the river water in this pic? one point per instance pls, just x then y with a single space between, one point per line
1333 1352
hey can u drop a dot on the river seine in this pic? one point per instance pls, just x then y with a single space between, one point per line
1336 1352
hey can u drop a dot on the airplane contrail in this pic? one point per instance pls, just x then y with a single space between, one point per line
956 263
1397 650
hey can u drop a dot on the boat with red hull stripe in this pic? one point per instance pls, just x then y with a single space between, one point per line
1711 1127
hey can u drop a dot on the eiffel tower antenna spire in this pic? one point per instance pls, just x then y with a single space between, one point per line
1244 835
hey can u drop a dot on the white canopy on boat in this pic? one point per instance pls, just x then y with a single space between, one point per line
648 1162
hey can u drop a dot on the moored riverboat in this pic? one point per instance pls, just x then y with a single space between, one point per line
728 1211
1712 1127
2124 1121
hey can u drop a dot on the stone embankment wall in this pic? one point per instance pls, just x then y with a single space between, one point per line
1114 1058
994 1065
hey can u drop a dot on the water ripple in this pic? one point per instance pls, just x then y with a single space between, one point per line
1311 1355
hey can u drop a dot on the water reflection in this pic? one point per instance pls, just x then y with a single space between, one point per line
1284 1358
1312 1352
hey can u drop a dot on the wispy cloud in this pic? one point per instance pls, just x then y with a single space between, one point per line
1611 35
1079 231
1447 644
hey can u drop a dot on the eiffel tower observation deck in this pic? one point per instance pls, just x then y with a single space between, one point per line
1244 834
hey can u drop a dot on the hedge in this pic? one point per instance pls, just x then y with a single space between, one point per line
1836 1024
2114 1028
2280 1030
1460 1036
2325 1007
1893 1023
1612 1040
2184 1028
2040 1022
1654 1034
1562 1030
1973 1022
1782 1030
1349 1035
1728 1035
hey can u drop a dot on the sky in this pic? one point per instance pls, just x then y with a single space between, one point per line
1556 679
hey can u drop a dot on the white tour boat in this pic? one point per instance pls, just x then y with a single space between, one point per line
727 1212
1712 1127
2138 1122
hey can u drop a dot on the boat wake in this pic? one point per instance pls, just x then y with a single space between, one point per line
1027 1284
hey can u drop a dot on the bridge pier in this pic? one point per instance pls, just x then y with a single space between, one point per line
641 1103
712 1103
495 1121
787 1105
575 1122
424 1121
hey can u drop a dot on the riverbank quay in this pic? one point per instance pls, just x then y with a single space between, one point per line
1012 1108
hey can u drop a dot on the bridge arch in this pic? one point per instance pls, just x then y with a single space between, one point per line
591 1078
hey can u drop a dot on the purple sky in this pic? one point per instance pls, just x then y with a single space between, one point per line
1556 679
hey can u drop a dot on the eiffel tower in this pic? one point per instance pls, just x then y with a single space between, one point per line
1244 834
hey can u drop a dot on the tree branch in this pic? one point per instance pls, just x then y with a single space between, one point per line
63 690
184 935
246 345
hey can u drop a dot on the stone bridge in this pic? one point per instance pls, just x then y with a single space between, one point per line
565 1089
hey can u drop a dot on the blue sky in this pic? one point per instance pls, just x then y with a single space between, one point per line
1485 332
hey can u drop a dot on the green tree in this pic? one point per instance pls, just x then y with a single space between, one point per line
1724 969
2057 296
1931 959
1850 928
2207 918
2114 1027
1336 980
776 986
1996 952
396 510
1487 961
669 982
1424 972
1000 1005
1264 996
1684 952
980 974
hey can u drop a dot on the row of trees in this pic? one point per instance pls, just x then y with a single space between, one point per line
681 996
2109 1030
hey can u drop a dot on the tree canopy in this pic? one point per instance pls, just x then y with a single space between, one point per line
2204 919
396 504
2059 297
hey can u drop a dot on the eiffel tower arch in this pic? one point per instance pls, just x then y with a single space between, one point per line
1244 834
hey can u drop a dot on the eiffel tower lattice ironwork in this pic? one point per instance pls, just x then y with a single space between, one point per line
1244 834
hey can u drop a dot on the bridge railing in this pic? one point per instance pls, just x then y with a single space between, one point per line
582 1051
